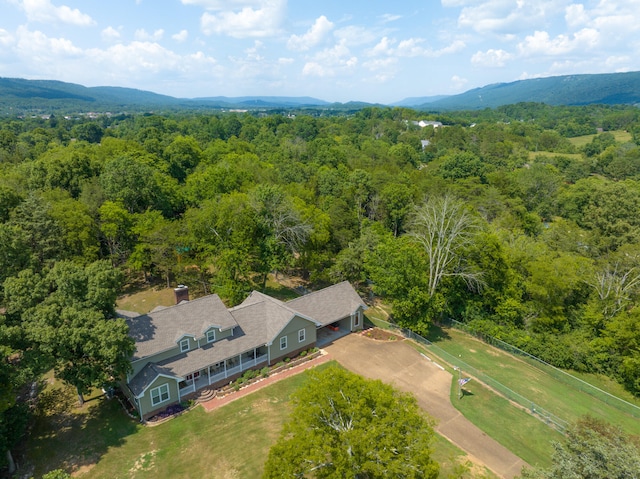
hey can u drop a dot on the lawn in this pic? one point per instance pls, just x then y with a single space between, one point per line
99 441
144 301
555 396
620 136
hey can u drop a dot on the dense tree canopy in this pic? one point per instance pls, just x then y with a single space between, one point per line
505 219
346 426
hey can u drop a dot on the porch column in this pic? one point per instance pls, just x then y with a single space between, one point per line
240 356
255 356
225 368
209 375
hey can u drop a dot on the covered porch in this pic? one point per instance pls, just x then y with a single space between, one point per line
223 370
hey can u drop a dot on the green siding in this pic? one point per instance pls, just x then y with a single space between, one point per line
145 401
291 332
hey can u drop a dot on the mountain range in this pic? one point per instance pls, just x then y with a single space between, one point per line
19 95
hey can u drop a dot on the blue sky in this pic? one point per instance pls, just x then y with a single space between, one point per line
374 51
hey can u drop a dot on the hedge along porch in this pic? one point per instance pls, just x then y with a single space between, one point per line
200 343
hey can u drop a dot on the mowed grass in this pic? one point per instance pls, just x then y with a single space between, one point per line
620 136
507 423
144 301
99 441
540 388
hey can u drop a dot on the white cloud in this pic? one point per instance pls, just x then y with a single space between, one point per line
388 17
37 47
133 64
383 69
575 15
491 58
412 47
458 83
355 35
6 39
540 43
181 36
384 47
318 31
223 4
331 61
143 36
263 21
285 61
110 34
500 17
45 12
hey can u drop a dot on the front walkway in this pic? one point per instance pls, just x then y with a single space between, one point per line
216 402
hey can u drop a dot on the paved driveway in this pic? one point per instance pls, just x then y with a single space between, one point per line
397 363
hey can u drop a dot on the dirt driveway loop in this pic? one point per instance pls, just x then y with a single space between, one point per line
397 363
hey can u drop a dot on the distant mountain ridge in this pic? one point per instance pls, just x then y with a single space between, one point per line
603 88
19 95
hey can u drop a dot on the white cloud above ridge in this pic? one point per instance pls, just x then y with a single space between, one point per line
264 21
181 36
492 58
43 11
318 31
412 47
330 61
541 43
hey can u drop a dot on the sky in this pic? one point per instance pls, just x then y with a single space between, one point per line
348 50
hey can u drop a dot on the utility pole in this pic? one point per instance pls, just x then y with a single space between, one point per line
459 382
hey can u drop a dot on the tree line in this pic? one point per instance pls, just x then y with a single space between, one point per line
497 219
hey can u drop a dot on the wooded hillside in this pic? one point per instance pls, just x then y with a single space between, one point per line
498 218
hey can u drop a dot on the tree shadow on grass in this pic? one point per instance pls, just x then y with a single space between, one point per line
437 333
67 437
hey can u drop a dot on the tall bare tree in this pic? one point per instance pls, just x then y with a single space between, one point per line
444 228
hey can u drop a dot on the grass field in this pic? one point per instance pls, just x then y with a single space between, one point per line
620 136
551 394
99 441
144 301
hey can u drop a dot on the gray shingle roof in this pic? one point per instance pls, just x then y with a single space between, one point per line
329 304
160 330
257 320
147 375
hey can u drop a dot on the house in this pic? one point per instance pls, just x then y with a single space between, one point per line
202 343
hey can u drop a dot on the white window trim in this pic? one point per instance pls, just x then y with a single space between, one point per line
182 344
356 321
302 335
159 389
283 339
211 331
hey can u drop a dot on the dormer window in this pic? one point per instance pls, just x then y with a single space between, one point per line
184 345
211 335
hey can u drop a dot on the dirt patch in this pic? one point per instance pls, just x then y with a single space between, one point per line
145 462
381 335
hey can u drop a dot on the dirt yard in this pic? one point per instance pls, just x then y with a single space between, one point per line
396 362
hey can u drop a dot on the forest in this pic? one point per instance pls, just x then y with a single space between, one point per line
511 220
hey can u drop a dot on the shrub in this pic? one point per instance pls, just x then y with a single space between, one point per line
280 364
264 372
303 354
286 360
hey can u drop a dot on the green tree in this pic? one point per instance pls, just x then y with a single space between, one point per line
592 450
66 313
345 426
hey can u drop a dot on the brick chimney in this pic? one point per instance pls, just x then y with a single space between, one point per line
182 293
